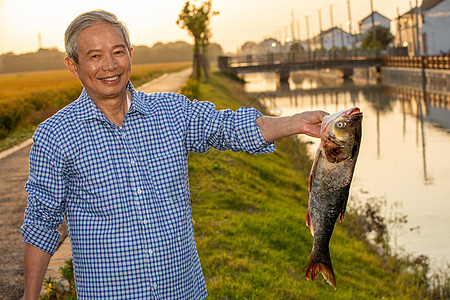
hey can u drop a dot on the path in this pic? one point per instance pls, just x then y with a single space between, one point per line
13 176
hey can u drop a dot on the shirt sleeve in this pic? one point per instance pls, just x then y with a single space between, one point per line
46 193
224 129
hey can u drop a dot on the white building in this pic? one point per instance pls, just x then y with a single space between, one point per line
425 31
435 27
406 33
269 46
378 20
333 38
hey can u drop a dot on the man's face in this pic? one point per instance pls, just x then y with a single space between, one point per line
104 62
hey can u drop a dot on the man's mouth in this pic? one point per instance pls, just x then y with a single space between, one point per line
111 78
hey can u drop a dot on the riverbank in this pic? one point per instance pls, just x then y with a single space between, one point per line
249 219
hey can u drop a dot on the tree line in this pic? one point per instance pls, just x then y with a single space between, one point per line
53 59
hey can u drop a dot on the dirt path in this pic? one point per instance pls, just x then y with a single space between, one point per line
13 176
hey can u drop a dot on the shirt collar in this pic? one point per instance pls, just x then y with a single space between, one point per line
87 110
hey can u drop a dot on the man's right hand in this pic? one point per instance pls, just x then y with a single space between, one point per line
35 265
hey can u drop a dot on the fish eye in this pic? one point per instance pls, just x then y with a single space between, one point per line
340 125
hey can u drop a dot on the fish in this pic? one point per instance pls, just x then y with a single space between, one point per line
329 185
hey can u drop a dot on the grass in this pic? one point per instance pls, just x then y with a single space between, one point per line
249 221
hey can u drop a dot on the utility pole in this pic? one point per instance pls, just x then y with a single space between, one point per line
332 25
286 34
349 17
413 32
417 28
39 41
399 28
374 34
320 27
292 25
350 23
307 32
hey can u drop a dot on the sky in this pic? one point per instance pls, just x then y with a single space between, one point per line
152 21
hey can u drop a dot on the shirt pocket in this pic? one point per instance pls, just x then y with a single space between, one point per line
168 176
96 189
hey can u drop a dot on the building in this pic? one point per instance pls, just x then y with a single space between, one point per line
269 45
425 30
333 38
406 33
378 20
435 27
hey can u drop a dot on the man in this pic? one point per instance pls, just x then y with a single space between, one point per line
114 162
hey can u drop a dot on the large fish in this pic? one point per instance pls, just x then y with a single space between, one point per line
329 185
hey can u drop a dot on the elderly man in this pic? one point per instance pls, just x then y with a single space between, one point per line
114 163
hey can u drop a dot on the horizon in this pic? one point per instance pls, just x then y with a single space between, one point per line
27 25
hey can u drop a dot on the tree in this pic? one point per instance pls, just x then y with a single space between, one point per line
382 40
196 21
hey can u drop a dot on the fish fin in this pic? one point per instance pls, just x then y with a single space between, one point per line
309 223
342 213
314 267
341 217
312 174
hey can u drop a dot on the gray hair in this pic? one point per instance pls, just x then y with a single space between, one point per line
87 20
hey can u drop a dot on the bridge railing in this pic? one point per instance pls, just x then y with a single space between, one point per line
428 62
248 60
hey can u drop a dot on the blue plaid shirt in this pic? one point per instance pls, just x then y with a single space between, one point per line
124 191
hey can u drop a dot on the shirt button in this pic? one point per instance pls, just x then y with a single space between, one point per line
150 251
132 162
145 221
139 191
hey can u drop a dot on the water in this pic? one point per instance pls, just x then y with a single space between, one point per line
404 157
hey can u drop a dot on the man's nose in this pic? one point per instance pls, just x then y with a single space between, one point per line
109 63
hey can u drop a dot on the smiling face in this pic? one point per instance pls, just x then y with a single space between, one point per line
104 62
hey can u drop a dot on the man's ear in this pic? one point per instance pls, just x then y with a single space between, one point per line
72 66
131 52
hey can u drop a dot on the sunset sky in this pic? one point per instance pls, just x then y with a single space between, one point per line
151 21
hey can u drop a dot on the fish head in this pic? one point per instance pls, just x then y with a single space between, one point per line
340 134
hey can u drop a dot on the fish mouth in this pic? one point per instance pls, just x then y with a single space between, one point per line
353 114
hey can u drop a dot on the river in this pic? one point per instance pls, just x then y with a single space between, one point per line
404 161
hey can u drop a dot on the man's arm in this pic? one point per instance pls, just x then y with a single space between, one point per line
274 128
35 265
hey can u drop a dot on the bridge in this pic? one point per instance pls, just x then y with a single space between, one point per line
284 63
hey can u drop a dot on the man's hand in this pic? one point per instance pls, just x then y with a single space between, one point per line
274 128
309 122
35 265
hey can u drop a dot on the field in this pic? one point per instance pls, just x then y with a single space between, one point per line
26 99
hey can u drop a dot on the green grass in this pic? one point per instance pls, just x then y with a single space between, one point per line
249 221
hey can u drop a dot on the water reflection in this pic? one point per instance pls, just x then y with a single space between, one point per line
404 150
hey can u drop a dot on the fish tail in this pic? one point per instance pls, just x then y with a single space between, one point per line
323 266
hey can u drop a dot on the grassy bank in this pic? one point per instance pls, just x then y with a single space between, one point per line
249 220
26 99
